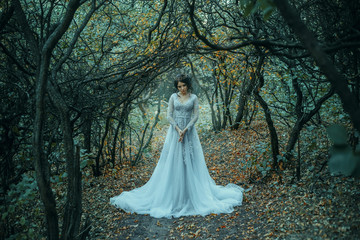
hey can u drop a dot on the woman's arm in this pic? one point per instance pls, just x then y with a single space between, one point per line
170 113
195 115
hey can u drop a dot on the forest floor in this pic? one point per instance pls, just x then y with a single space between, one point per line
318 206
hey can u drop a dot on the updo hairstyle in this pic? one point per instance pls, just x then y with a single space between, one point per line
184 79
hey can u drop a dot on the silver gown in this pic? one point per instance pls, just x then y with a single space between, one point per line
180 184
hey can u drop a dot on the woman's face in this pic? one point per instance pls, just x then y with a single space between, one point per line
182 88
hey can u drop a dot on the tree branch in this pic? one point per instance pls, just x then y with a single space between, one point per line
25 27
77 34
158 21
54 38
14 60
6 15
337 80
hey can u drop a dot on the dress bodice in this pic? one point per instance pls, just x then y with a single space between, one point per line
183 114
180 184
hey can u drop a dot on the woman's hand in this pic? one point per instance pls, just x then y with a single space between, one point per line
182 134
179 132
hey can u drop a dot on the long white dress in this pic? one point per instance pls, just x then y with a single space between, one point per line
180 184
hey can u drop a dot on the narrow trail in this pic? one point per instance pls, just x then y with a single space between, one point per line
238 225
243 223
319 206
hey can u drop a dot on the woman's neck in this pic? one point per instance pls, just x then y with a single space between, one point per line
186 94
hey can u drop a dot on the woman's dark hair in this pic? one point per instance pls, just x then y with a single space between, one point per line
184 79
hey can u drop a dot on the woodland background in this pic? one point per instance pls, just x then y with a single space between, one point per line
84 90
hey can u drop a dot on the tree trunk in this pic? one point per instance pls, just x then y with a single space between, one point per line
41 56
273 134
247 89
294 135
349 101
206 92
87 130
113 150
226 105
73 206
42 167
96 168
215 99
240 110
302 119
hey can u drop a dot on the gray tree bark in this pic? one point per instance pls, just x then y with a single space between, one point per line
338 81
41 56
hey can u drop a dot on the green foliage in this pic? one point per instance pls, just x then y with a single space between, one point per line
85 159
20 209
112 52
343 159
264 150
266 6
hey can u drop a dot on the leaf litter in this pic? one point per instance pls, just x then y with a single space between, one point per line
319 206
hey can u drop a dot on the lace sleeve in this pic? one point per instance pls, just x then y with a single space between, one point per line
170 111
195 114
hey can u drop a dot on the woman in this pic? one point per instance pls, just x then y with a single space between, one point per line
180 184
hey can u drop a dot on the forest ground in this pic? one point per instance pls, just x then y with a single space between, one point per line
318 206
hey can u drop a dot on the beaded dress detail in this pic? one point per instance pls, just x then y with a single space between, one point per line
180 184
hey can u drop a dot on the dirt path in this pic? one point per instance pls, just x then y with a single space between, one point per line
209 227
243 223
319 206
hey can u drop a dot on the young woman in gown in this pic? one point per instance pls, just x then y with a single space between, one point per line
180 184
